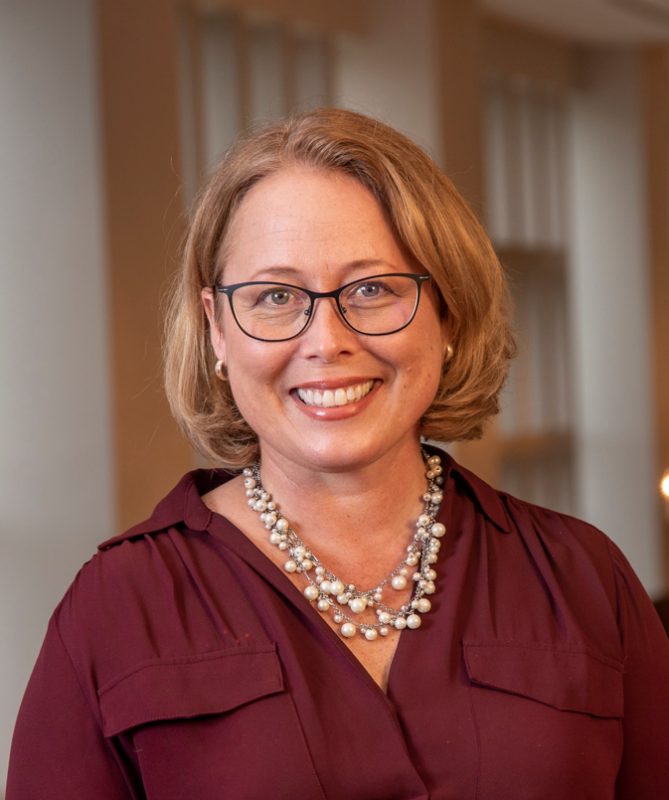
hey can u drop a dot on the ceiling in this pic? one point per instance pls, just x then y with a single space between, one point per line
591 21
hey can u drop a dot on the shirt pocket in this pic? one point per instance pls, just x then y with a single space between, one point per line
549 719
209 725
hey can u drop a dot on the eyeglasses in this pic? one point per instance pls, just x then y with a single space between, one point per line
374 306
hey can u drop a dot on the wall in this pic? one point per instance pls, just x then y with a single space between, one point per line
55 463
609 298
389 73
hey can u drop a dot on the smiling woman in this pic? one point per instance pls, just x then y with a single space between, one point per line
339 609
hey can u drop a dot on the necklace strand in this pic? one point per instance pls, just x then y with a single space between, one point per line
345 600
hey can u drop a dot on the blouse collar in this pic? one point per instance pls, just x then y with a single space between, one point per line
183 506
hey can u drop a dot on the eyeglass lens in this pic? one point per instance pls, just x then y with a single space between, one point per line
377 305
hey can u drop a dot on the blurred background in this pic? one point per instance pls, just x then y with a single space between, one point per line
551 118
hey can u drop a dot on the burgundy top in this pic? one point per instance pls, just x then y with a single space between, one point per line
182 663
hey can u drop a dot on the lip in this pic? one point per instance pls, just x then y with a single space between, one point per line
334 413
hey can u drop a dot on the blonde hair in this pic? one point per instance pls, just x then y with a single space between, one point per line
429 218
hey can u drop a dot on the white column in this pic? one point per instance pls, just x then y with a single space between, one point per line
610 303
55 464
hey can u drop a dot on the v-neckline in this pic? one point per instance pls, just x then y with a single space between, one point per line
249 551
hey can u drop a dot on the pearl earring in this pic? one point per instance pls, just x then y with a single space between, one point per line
448 355
219 369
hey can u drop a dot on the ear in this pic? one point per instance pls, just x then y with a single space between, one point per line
215 330
446 337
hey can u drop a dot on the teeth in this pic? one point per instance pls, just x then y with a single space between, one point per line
337 397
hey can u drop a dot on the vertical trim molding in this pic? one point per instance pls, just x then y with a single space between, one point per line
656 110
139 71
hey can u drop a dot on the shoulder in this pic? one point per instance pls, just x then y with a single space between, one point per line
563 535
128 603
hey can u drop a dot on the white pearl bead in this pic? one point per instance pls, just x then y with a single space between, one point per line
282 524
378 597
423 605
431 575
437 470
249 483
326 587
398 582
283 545
311 592
433 461
275 537
431 558
271 505
438 529
412 559
259 505
384 617
384 631
348 630
290 565
323 605
307 564
423 521
371 634
319 570
414 621
343 598
338 618
357 604
247 471
400 623
337 587
298 552
429 587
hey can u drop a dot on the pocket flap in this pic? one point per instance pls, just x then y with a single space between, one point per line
569 680
189 686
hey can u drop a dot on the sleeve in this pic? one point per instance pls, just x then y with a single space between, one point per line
644 769
58 750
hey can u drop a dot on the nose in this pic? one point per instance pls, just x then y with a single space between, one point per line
327 336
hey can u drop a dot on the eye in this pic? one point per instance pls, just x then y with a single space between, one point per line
369 290
277 296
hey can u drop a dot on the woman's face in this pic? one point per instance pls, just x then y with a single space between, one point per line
320 230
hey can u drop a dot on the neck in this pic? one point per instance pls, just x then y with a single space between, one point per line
351 513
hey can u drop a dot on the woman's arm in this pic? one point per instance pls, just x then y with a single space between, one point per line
644 771
58 750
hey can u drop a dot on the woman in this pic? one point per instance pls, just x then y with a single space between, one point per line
345 614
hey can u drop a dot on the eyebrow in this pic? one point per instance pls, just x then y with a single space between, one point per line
351 266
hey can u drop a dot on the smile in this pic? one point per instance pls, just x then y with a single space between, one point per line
329 398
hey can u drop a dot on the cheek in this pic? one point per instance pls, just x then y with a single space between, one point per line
253 366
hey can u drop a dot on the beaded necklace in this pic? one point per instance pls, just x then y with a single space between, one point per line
345 600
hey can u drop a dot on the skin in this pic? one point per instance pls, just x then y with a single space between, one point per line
335 472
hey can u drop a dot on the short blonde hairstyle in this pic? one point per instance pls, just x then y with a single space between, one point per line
430 220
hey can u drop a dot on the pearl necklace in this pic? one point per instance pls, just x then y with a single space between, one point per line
330 593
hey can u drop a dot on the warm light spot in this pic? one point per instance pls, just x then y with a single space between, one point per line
664 484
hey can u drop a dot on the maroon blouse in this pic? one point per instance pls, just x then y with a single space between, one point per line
182 663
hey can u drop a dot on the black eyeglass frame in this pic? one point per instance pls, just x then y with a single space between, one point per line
419 280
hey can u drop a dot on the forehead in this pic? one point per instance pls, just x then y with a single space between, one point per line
309 220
